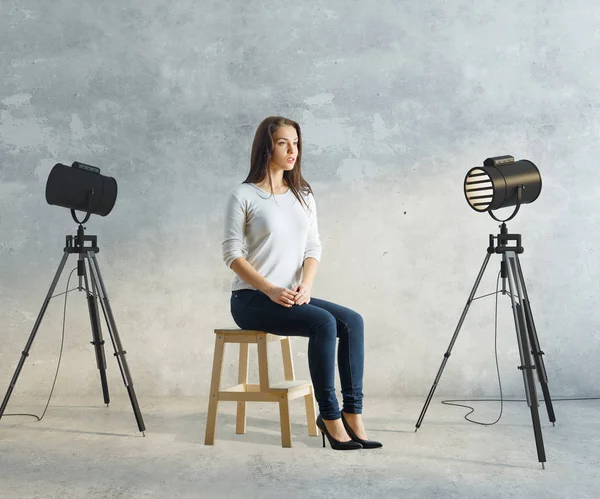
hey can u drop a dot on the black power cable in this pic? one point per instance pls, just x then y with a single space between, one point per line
501 399
453 402
62 342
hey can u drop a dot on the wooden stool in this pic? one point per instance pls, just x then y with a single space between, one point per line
243 392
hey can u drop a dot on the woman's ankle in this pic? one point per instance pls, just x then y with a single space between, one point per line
355 422
336 429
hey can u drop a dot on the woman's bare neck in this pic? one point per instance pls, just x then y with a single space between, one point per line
277 188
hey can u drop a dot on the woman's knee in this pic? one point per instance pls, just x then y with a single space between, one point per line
326 325
355 323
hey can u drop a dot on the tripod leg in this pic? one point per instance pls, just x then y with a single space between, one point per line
454 337
97 339
25 352
114 335
526 367
535 346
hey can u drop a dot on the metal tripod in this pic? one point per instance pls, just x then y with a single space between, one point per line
87 270
529 347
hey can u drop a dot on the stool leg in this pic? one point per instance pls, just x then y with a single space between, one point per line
240 425
311 415
286 353
215 384
263 362
284 418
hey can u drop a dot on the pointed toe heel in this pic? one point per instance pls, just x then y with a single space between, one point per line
336 444
366 444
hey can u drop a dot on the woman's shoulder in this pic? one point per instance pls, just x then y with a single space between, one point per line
242 191
308 196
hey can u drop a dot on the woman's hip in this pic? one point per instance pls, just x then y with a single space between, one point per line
253 309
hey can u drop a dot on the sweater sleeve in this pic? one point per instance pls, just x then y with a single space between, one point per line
233 245
313 241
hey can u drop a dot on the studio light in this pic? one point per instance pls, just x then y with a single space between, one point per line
81 187
499 183
502 182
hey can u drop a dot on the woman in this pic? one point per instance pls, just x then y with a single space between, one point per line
271 241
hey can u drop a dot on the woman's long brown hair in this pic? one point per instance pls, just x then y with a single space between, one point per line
262 151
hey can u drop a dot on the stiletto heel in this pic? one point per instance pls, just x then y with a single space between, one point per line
367 444
335 444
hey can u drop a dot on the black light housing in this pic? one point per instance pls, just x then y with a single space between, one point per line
502 182
81 187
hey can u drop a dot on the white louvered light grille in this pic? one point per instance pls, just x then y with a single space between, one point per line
479 189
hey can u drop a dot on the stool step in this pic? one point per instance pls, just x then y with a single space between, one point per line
290 386
282 386
251 392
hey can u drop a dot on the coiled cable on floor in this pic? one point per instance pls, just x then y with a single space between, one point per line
456 403
62 343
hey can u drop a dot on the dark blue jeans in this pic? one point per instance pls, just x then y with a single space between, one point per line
320 321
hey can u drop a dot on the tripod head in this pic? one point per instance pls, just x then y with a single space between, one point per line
499 242
76 244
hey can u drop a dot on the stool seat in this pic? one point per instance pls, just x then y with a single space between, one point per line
264 391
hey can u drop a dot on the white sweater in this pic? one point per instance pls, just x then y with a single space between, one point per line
275 233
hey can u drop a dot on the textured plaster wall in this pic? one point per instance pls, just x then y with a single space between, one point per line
397 100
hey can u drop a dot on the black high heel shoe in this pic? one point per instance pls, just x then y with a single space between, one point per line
335 444
367 444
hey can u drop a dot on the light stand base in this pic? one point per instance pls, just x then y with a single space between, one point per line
88 270
529 348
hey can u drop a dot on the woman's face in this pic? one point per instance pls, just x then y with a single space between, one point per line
285 148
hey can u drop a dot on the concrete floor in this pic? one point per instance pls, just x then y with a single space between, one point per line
84 450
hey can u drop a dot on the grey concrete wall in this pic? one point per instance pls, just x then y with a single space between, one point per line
397 101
